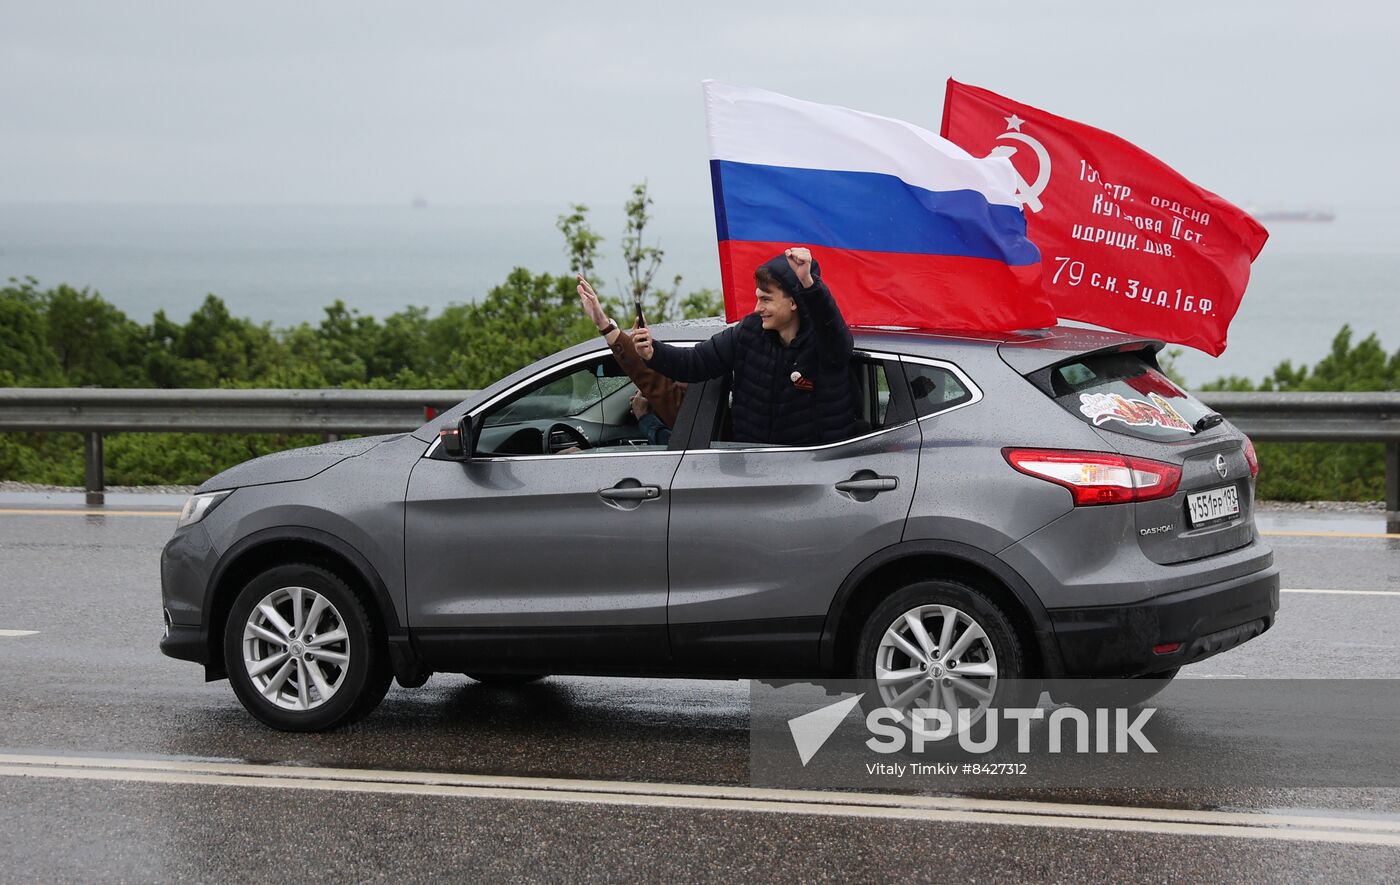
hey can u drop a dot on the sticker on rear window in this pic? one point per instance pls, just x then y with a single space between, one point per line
1104 407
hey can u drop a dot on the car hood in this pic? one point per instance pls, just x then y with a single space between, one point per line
293 464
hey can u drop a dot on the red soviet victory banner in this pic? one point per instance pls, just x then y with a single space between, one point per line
1125 241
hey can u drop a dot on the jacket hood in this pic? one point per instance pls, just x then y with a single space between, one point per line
782 271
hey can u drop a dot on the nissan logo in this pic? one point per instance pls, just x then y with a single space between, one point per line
1220 467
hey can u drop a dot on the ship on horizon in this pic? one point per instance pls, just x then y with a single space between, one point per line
1293 214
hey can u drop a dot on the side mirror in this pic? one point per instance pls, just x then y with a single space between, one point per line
460 441
451 439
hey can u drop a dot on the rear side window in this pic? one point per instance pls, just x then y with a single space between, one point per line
935 389
1123 393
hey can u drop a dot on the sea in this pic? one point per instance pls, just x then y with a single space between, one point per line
284 264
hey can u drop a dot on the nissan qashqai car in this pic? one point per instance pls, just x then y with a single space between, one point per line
1030 505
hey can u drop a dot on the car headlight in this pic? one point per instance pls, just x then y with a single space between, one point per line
199 506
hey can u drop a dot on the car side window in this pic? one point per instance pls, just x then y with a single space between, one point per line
934 388
577 411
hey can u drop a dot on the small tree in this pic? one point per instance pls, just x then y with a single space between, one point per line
580 241
702 303
643 260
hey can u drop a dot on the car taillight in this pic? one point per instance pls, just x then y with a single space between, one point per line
1251 457
1098 477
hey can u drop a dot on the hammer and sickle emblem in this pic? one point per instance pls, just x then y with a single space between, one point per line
1029 194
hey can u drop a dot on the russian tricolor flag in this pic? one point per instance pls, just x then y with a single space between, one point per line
909 229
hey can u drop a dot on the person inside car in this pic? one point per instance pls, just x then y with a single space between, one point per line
659 397
658 434
790 359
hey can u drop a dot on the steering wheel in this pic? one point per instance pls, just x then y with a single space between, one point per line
575 436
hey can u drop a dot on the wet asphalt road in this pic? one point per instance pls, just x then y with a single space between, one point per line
91 682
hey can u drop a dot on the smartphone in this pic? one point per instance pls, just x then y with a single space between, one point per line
641 318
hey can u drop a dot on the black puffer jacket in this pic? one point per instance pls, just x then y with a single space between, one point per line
768 407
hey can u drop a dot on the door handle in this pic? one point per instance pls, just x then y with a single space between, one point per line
874 484
630 493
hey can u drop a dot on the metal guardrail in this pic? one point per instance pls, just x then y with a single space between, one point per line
1311 417
101 410
1283 417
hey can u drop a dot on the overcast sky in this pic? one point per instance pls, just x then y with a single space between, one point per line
1274 104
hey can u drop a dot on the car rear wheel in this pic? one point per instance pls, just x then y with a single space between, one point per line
941 644
302 652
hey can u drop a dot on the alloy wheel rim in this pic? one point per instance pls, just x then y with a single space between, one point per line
936 657
296 649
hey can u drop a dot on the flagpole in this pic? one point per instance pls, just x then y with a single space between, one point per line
947 103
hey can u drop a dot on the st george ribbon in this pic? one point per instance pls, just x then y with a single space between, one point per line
910 229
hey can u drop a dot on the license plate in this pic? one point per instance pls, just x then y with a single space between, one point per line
1216 504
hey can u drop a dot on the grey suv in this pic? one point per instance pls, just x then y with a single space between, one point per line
1023 506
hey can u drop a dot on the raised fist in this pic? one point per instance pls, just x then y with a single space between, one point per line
799 258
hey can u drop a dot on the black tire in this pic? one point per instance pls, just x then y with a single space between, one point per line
366 674
1091 693
1013 687
506 680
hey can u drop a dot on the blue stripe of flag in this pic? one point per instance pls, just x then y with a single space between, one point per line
865 211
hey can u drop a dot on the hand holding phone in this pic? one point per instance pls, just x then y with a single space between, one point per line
642 340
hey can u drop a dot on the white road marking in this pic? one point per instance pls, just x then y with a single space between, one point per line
1344 592
18 633
1283 827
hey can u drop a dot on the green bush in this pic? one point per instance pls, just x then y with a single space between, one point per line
1321 471
48 458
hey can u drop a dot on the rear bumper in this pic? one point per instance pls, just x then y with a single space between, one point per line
1118 640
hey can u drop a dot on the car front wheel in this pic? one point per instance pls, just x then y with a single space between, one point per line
301 651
